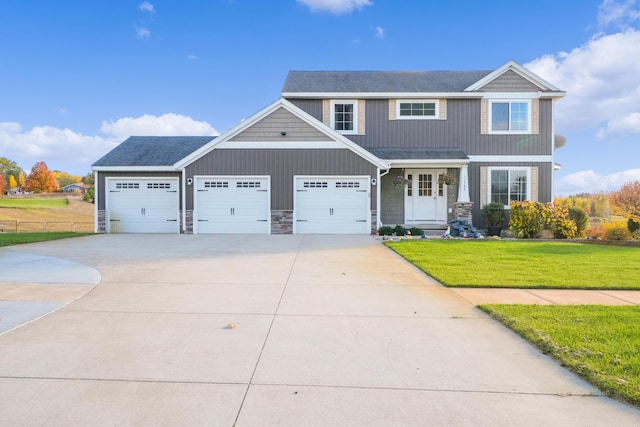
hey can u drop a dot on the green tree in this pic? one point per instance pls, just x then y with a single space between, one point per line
9 168
89 179
41 180
64 178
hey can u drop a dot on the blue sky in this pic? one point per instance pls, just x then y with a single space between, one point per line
77 78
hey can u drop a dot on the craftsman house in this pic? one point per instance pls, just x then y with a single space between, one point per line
344 152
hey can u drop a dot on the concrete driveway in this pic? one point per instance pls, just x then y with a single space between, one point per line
329 331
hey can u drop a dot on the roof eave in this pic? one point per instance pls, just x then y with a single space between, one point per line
134 168
380 95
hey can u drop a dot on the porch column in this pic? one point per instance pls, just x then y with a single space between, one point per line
463 186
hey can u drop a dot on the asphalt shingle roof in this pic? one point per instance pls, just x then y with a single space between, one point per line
440 153
381 81
152 150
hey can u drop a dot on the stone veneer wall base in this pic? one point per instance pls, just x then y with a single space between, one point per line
281 222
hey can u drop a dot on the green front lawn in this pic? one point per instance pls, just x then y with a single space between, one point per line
36 202
524 264
599 343
20 238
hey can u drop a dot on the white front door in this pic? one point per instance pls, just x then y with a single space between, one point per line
425 200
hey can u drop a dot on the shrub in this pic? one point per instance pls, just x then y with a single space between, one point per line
632 225
415 231
400 230
493 214
580 218
527 219
561 225
636 235
90 195
617 230
385 231
596 232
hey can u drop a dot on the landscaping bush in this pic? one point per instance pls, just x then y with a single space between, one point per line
415 231
617 230
632 225
400 230
636 235
561 225
385 231
527 219
596 232
580 218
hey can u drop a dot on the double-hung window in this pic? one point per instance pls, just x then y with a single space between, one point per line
344 116
510 116
417 109
509 184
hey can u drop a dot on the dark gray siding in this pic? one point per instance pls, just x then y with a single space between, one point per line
461 129
510 82
545 175
271 127
281 165
392 205
102 182
310 106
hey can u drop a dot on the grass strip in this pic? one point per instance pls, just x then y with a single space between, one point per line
43 202
22 238
523 264
599 343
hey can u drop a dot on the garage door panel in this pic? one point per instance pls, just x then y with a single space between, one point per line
232 205
139 205
330 205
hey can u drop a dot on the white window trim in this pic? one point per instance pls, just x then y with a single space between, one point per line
509 132
436 116
332 113
511 168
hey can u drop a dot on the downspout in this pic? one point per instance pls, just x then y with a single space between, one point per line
184 200
95 202
378 194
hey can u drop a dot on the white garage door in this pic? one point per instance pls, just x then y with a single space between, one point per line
136 205
330 205
232 205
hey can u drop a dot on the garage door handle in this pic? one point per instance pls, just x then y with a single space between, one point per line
172 191
203 190
261 220
114 220
301 220
203 220
361 220
299 191
172 220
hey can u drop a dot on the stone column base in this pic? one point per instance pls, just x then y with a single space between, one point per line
463 211
281 222
102 221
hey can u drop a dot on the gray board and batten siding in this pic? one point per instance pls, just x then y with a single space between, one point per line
461 129
282 165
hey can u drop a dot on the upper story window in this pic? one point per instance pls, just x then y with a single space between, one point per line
509 184
413 109
344 116
510 116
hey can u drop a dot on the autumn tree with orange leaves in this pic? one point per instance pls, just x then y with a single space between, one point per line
3 185
627 200
41 180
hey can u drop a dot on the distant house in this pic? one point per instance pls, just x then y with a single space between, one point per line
344 152
77 187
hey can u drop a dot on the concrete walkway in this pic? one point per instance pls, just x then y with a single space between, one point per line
275 331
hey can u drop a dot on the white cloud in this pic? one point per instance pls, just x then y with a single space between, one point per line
143 33
70 151
335 6
602 81
191 56
617 14
165 125
52 145
145 6
588 181
380 32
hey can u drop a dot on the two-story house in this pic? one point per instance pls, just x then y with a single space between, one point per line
344 152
